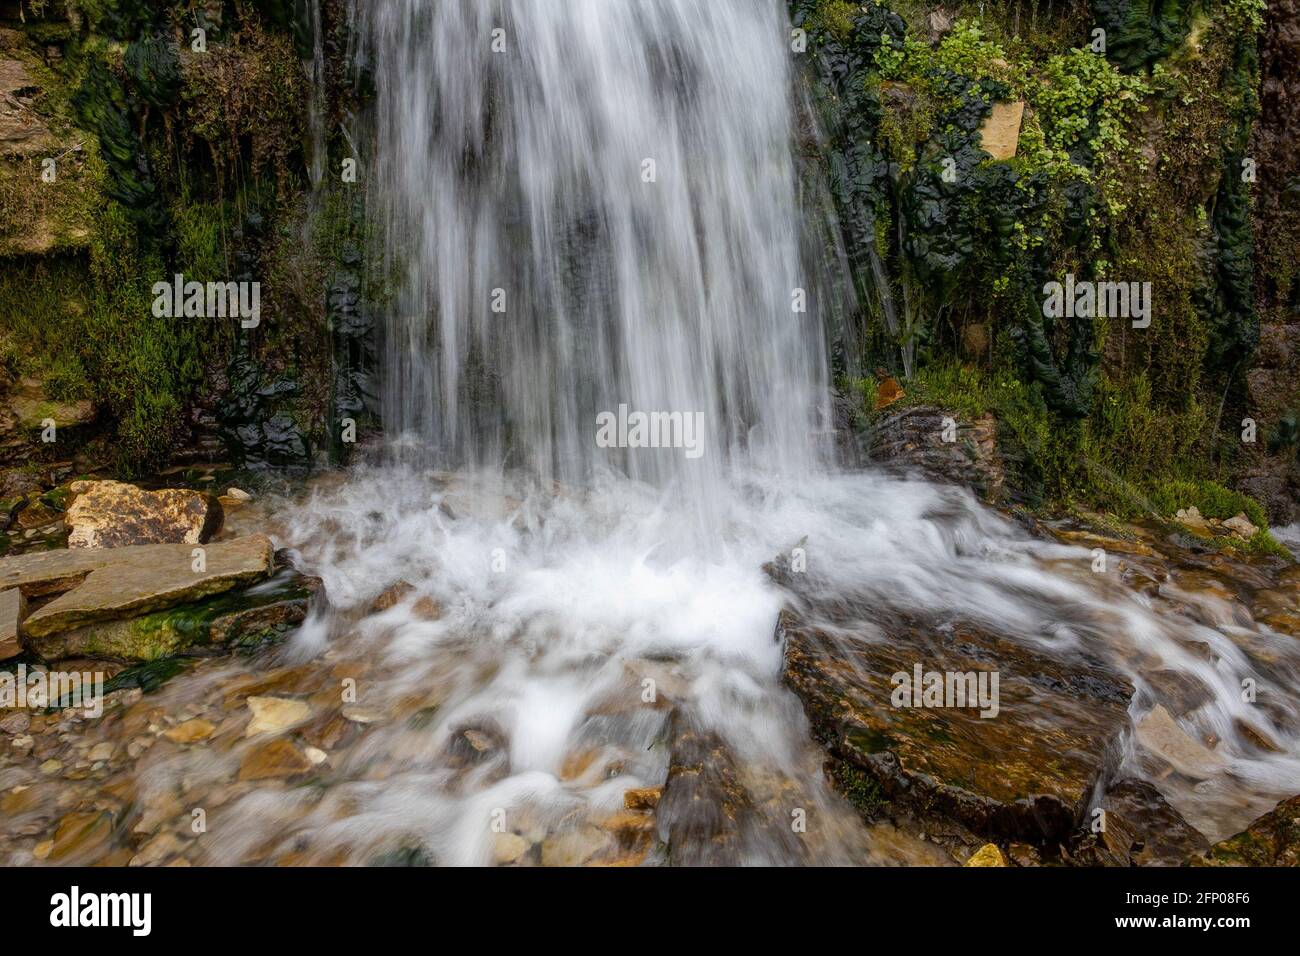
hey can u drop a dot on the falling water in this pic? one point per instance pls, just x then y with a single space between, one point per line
562 581
593 204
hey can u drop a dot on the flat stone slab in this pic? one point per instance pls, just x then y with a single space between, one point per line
12 605
1024 773
235 618
127 582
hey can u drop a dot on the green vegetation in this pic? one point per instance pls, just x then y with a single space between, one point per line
861 790
190 162
1126 169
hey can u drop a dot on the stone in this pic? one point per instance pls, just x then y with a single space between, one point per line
1272 840
271 715
575 847
427 609
231 619
158 849
12 608
101 751
130 581
1160 734
987 855
706 814
79 836
315 755
393 595
1142 829
238 494
362 715
191 731
939 22
1000 131
1192 518
912 439
645 798
509 848
1025 775
22 131
275 759
15 723
110 514
1241 526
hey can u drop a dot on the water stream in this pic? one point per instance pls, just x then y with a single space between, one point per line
617 179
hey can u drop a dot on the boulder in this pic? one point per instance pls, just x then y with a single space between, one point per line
913 439
22 132
111 514
1272 840
1025 773
1141 829
110 584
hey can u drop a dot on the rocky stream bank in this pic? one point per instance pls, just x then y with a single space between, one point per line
220 742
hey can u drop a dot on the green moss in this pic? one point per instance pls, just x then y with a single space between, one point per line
861 790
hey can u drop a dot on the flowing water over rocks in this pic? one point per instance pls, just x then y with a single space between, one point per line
561 681
536 650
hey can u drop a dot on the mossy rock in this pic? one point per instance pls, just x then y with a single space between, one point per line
243 619
1272 840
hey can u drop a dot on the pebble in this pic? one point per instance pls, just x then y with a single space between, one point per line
274 714
102 751
16 723
191 731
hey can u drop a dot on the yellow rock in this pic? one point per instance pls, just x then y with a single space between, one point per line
274 714
1000 133
190 731
988 855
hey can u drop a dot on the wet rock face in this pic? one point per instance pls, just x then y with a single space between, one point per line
1140 829
1024 772
705 811
1274 401
110 514
1272 840
942 447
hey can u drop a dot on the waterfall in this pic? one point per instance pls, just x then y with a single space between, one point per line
592 204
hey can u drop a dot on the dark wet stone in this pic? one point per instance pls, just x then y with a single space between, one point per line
705 813
912 439
1024 774
1141 829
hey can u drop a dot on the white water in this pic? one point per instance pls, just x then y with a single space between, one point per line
522 171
